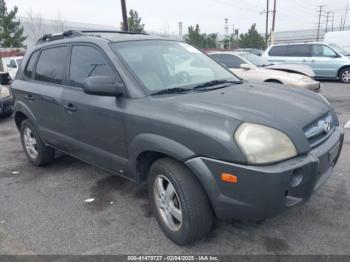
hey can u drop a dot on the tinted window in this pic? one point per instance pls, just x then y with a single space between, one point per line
87 61
279 50
231 61
51 65
298 50
322 51
28 72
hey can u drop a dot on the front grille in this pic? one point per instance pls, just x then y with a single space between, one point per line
318 131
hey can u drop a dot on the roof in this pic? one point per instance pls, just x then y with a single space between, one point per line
95 36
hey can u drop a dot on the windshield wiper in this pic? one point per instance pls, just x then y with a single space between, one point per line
174 90
215 83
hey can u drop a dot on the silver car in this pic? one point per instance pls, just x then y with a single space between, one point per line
328 61
253 68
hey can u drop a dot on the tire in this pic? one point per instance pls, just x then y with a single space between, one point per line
189 197
344 75
37 152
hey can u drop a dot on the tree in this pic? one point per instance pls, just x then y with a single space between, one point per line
194 36
134 22
252 39
211 40
11 30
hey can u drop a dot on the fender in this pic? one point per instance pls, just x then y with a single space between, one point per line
156 143
24 109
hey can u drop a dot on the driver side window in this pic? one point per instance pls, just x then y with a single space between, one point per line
87 61
322 51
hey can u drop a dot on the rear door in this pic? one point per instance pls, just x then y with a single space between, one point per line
299 54
40 89
95 125
325 61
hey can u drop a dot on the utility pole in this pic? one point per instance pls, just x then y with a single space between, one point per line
346 13
273 23
319 21
341 24
333 22
267 22
125 17
327 17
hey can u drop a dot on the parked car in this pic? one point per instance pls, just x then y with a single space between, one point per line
207 148
326 61
339 39
13 66
6 99
253 68
254 51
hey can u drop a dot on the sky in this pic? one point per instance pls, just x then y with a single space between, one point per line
164 15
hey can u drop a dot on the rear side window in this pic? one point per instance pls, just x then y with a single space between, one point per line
28 72
299 50
231 61
278 50
291 50
51 65
87 61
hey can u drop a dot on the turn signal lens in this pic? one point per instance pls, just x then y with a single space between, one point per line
229 178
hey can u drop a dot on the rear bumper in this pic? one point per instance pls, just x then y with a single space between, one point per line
6 105
265 191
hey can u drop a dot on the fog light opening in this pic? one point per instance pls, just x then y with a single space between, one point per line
297 178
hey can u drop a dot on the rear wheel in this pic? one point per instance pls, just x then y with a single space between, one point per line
344 75
37 152
179 202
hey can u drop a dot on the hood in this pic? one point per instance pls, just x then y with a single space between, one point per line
290 68
288 110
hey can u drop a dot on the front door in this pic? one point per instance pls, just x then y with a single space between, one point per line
95 125
325 61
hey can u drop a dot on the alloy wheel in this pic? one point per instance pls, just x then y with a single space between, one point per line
30 143
167 202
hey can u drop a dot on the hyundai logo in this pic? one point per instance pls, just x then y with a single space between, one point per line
327 126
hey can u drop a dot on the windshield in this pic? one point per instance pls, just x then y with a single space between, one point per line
340 49
162 64
254 59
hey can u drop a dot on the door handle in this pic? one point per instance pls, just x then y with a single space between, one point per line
30 97
70 107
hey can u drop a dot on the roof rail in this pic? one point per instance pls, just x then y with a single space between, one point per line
57 36
74 33
113 32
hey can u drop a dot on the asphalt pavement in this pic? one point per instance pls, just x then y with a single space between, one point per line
44 210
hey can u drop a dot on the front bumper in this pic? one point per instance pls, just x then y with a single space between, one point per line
6 105
265 191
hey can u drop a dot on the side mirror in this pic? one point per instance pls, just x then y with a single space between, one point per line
245 66
103 86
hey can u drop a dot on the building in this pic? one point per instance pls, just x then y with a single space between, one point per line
308 35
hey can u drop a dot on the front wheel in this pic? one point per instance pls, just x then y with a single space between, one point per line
344 75
179 202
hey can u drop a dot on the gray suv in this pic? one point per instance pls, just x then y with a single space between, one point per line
162 113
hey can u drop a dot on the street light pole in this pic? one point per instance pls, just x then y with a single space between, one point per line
273 23
125 16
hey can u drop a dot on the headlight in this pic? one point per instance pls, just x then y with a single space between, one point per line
261 144
4 92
